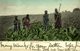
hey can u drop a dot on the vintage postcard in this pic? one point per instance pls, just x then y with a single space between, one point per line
24 23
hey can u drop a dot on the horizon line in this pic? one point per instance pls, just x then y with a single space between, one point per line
31 13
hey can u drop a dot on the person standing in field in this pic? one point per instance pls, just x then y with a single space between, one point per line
26 22
16 24
46 19
57 17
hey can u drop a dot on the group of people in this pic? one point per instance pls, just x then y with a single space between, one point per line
26 21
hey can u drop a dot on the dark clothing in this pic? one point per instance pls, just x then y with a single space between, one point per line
26 23
46 20
57 20
16 25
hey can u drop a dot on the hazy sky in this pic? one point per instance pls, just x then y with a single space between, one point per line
9 7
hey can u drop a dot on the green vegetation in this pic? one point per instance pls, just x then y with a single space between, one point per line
38 32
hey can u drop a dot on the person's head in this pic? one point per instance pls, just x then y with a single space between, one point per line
27 16
56 10
46 12
16 18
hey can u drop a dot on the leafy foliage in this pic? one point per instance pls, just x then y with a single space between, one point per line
39 33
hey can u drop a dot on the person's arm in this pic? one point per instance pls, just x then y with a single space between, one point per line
22 20
55 17
43 17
